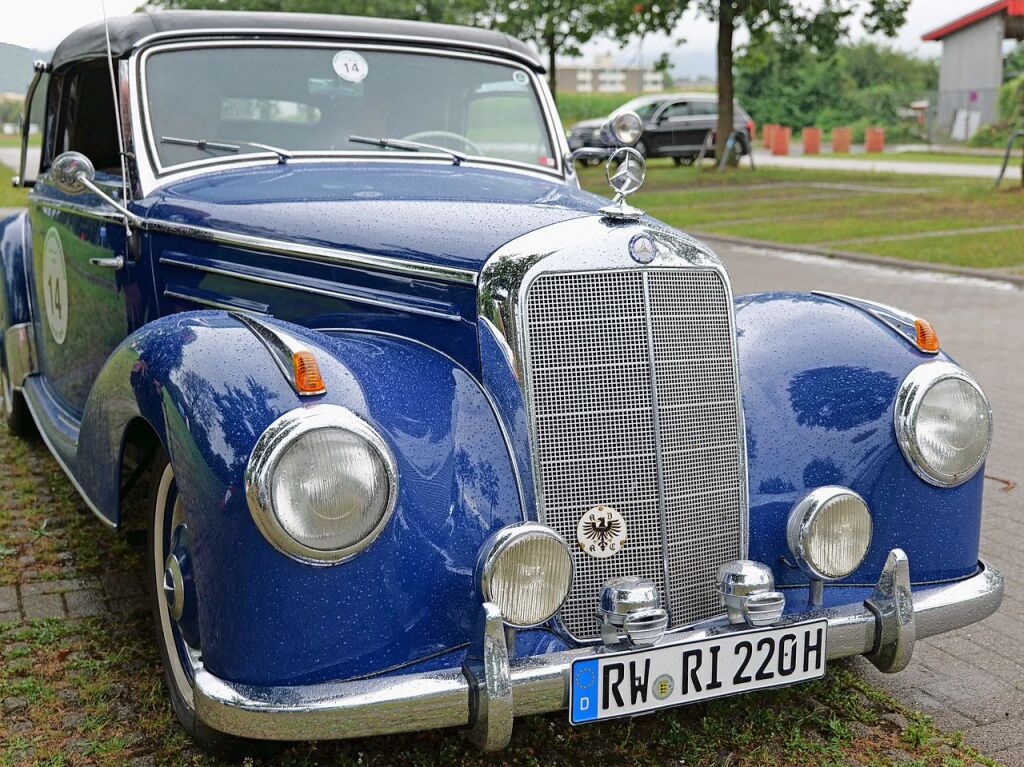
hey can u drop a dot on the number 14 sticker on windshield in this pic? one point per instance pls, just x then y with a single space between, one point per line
351 66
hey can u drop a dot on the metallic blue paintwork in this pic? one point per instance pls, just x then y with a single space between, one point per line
208 389
819 382
14 306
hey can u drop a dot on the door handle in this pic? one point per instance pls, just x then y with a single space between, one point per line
108 263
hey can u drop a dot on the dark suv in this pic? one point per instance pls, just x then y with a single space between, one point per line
675 125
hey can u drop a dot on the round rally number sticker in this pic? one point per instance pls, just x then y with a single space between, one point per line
55 286
350 66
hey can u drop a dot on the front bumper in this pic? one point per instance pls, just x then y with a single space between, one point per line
491 689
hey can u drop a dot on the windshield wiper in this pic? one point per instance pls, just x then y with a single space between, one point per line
410 146
283 155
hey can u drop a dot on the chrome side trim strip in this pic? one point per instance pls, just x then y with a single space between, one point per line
329 255
104 213
540 683
216 304
240 274
282 347
659 462
899 321
20 351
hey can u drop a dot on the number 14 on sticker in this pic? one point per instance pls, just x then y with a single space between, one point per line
350 66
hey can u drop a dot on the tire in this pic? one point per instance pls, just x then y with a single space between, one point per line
163 506
14 408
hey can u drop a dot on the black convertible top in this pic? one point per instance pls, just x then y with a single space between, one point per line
127 31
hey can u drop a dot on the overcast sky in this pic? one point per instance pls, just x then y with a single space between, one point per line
41 24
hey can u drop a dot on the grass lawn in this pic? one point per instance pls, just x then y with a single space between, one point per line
90 692
9 196
849 211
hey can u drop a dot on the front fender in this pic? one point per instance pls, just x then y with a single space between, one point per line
209 389
819 381
14 255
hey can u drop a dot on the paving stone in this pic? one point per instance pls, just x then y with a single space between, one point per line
14 703
8 599
53 587
43 606
122 585
73 721
8 618
84 603
995 737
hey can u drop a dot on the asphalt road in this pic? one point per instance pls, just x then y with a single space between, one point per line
973 679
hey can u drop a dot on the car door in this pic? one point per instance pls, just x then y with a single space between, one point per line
661 133
79 296
691 131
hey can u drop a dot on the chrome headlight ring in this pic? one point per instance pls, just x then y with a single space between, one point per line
271 447
811 551
912 394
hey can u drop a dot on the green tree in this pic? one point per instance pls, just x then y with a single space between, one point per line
824 28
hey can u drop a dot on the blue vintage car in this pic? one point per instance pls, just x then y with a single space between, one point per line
433 437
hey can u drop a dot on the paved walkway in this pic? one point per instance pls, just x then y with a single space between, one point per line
971 680
762 158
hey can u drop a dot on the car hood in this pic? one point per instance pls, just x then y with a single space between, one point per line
597 122
426 212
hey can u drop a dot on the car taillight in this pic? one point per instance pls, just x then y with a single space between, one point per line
750 127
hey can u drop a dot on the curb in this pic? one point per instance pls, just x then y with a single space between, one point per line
865 258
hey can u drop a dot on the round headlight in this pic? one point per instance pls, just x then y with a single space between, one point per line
829 532
626 128
526 570
321 484
943 423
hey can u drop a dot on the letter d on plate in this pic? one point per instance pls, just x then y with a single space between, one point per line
584 698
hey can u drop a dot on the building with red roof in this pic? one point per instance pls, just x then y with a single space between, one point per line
972 63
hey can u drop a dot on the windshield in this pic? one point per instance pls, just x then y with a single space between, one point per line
643 106
228 101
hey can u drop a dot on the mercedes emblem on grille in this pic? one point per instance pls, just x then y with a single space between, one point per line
601 532
642 249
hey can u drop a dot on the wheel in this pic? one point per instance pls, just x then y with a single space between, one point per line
14 408
179 659
641 147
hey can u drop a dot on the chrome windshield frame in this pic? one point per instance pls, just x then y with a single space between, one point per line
152 173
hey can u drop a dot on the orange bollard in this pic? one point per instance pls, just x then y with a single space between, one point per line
841 140
812 140
780 141
874 140
767 134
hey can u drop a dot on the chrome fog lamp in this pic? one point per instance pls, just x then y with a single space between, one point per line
943 423
626 128
321 484
630 612
747 591
526 570
829 533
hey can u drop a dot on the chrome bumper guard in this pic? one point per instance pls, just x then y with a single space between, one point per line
492 688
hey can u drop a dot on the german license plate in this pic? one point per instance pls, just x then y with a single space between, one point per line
636 681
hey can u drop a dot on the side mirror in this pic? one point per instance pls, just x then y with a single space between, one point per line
72 172
626 128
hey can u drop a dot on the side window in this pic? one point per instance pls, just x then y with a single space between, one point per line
679 109
86 121
703 108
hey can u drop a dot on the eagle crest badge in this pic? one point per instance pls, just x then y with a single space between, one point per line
601 532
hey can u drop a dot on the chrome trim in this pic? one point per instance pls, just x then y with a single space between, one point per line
748 593
330 293
489 677
900 321
20 353
892 603
215 304
334 256
283 347
97 214
221 34
271 446
592 243
497 544
263 39
174 587
908 402
802 517
630 613
539 684
39 68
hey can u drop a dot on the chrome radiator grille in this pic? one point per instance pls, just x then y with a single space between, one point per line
618 363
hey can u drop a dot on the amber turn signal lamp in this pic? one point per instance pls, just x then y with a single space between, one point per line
927 340
307 374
